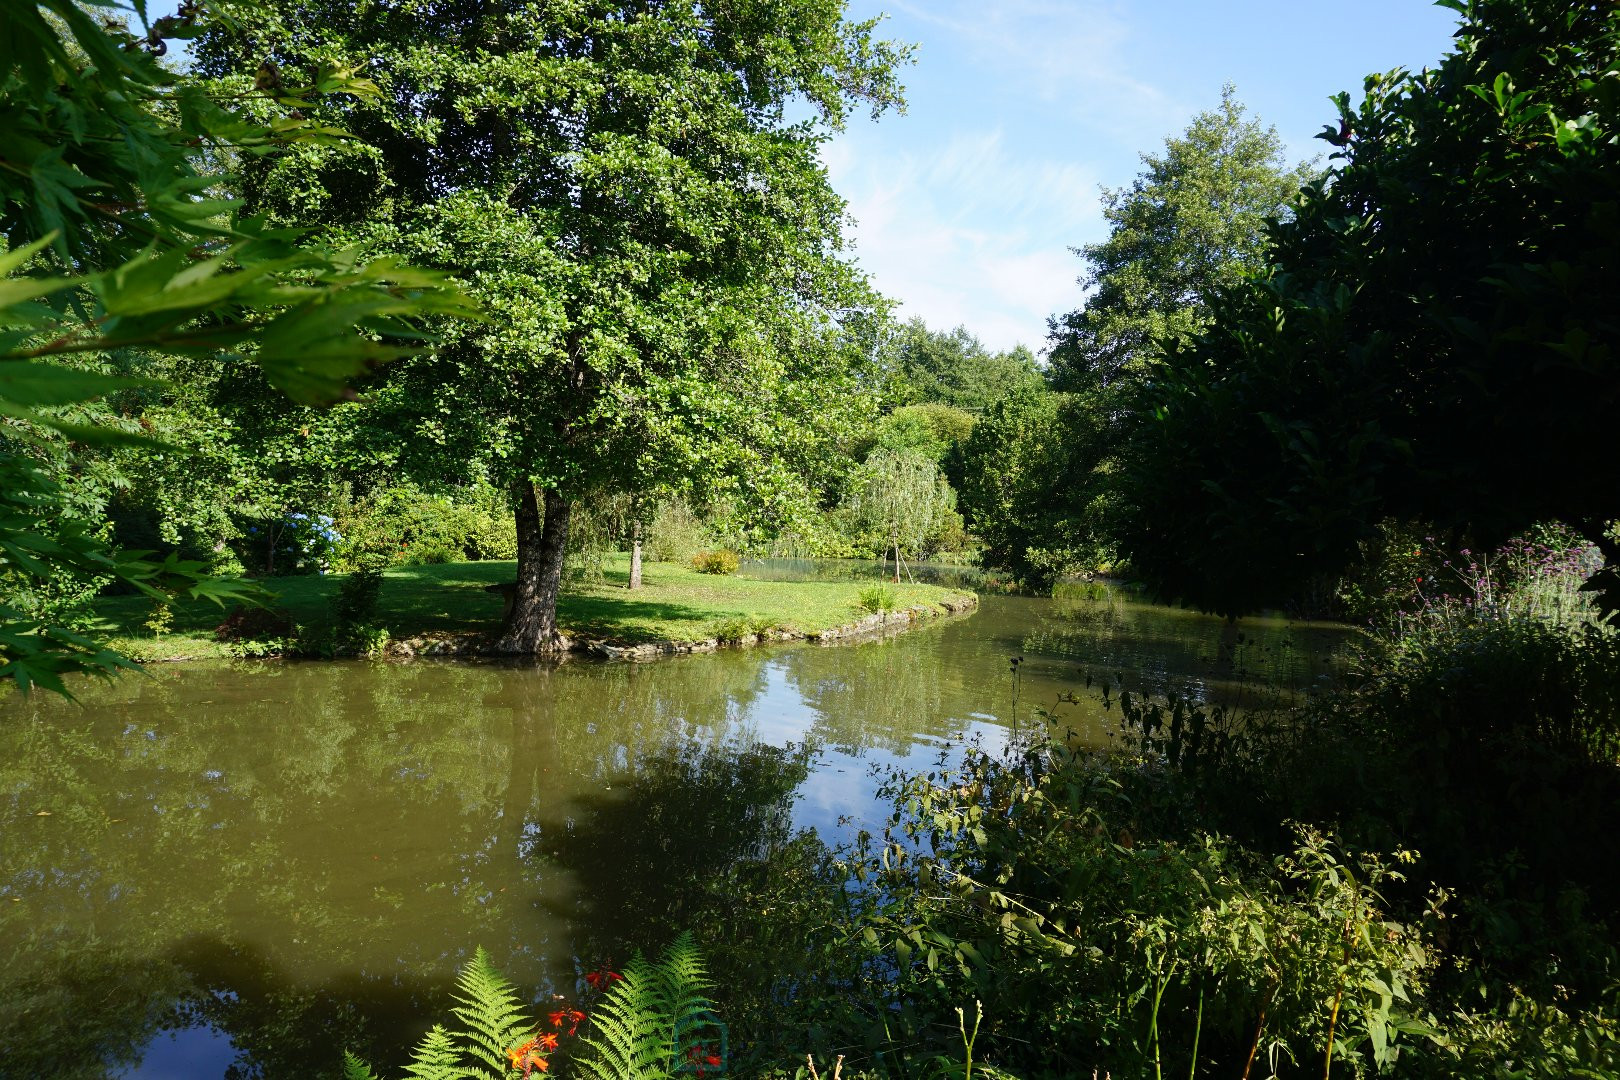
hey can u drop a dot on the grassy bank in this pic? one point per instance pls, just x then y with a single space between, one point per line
676 604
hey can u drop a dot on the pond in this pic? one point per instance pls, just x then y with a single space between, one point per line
240 869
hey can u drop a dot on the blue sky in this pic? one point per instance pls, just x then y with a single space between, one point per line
1018 110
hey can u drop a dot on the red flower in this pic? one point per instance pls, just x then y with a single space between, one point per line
702 1059
558 1017
597 979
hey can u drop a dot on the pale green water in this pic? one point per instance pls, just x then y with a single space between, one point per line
240 869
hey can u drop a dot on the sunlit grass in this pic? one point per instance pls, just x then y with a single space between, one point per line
676 604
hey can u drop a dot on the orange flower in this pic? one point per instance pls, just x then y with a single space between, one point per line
526 1057
548 1041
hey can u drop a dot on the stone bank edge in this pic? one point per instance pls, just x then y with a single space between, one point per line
877 624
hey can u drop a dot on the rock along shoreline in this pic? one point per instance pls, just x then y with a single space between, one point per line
877 624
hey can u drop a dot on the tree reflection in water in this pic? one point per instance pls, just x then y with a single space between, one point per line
300 856
302 862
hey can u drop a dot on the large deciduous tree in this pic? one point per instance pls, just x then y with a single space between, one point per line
633 191
1435 339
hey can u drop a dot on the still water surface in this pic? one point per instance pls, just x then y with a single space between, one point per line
239 869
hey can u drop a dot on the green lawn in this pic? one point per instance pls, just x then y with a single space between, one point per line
676 604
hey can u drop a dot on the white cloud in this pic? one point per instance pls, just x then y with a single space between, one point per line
966 209
1074 54
968 233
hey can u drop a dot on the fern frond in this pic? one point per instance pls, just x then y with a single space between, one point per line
491 1015
435 1057
355 1069
651 1018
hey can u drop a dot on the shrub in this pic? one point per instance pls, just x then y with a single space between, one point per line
1038 884
352 629
717 561
161 620
358 595
743 628
407 526
675 533
295 543
876 598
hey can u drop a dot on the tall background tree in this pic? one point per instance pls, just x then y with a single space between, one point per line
1193 221
624 189
1039 482
1434 340
954 368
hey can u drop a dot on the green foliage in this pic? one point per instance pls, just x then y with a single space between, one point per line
656 1021
1020 491
122 242
955 369
1405 575
931 430
407 526
671 308
1194 221
1431 343
675 534
1041 482
38 547
875 598
161 621
356 608
716 561
905 506
1097 934
742 629
490 1023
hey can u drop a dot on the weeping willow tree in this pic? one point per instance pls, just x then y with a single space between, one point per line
905 501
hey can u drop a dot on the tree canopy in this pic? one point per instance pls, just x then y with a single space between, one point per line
654 237
1434 339
955 368
1194 220
1039 477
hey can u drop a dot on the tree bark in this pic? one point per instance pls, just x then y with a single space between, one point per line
531 625
635 548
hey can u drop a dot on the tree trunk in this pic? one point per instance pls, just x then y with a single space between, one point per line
531 626
635 549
